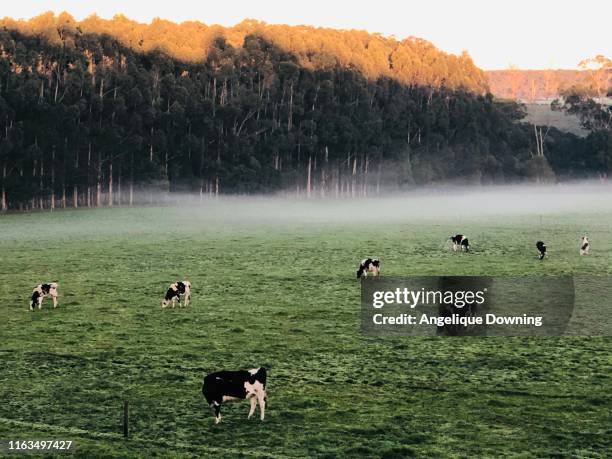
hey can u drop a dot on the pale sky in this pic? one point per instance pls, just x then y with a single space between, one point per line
531 34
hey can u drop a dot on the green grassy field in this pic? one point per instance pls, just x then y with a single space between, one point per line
542 115
284 296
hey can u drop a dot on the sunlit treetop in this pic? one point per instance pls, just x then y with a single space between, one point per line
411 61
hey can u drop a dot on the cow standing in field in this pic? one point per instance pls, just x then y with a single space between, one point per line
584 245
541 249
224 386
368 265
175 291
460 242
40 292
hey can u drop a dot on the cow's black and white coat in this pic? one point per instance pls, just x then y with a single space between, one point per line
224 386
541 249
584 245
40 292
175 291
460 242
368 265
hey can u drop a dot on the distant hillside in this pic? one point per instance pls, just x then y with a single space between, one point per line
538 88
532 85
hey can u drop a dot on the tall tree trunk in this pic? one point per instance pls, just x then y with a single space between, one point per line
119 183
151 146
34 197
110 184
89 174
3 202
365 176
290 116
354 180
132 179
323 182
75 189
214 97
56 88
99 181
64 172
308 184
337 181
42 173
202 152
53 178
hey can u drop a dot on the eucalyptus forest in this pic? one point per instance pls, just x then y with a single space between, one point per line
98 112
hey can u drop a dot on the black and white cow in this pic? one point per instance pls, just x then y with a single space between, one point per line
224 386
175 291
541 249
584 245
460 242
40 292
368 265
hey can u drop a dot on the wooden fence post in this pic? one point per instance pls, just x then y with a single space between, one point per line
126 411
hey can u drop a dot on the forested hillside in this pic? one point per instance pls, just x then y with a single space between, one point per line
92 111
411 61
533 85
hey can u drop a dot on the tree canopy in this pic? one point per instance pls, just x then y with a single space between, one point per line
409 61
92 111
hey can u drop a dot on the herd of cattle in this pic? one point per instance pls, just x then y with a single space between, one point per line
461 243
218 387
223 386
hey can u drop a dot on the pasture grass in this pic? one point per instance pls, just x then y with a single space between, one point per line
285 296
543 115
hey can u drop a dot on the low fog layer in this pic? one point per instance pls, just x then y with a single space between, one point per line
185 213
432 204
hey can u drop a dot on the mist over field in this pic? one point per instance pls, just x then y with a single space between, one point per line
187 213
274 285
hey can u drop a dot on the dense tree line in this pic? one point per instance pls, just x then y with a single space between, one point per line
532 85
410 61
87 119
591 101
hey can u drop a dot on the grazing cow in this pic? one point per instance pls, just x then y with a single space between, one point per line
460 242
40 292
224 386
175 291
368 265
584 245
541 249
